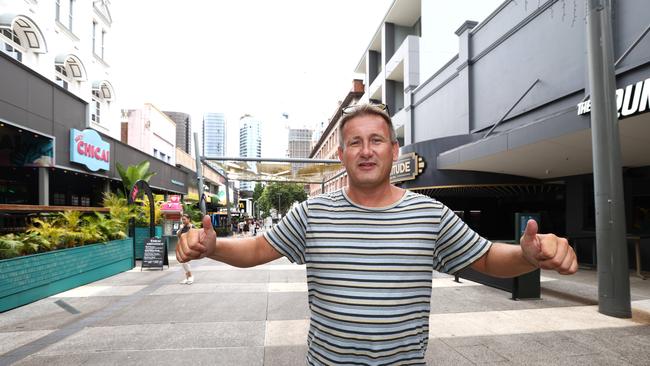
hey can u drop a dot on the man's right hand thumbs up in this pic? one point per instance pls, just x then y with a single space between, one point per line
197 243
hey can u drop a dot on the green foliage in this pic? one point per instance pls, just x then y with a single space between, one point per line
257 192
134 173
193 210
118 209
69 229
143 213
14 245
282 194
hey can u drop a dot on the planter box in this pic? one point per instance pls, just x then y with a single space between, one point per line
142 233
34 277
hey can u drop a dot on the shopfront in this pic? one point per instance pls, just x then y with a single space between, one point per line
517 137
48 155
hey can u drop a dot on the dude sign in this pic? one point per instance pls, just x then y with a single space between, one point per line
88 148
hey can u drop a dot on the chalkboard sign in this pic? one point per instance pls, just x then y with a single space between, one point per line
155 253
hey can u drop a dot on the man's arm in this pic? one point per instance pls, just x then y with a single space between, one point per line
535 251
242 252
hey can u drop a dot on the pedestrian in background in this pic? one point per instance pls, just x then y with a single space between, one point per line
186 225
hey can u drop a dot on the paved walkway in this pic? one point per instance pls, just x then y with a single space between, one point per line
258 316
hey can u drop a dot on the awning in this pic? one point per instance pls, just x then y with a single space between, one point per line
308 171
558 146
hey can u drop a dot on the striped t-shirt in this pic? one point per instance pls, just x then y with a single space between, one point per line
369 273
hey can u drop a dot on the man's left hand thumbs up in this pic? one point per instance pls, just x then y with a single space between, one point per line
547 251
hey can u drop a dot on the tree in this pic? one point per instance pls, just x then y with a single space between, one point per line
282 194
134 173
257 192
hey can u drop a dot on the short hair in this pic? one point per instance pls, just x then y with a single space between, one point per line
365 109
186 215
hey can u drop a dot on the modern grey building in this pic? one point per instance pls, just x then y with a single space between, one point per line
214 134
250 143
183 130
299 145
504 126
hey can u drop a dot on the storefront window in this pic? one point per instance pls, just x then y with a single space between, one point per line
58 199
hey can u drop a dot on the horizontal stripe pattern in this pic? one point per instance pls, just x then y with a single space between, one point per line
369 273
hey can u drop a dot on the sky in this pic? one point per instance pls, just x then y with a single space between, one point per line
258 57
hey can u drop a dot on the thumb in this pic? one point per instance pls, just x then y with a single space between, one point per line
530 234
207 224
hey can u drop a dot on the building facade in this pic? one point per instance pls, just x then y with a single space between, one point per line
67 42
151 131
59 128
183 121
214 134
299 146
250 144
327 145
504 126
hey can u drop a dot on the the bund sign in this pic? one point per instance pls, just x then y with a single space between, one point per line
88 148
407 167
631 100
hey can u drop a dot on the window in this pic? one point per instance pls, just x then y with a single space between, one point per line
98 40
74 200
11 44
102 96
58 199
63 7
70 14
85 201
61 76
94 37
96 107
103 39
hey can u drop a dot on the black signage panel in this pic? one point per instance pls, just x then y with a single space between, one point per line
406 167
155 253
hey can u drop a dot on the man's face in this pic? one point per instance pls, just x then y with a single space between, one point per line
368 153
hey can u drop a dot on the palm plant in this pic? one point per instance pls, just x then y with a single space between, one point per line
134 173
70 222
48 231
36 241
107 228
11 246
120 212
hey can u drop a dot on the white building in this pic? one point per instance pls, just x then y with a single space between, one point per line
68 42
250 143
152 131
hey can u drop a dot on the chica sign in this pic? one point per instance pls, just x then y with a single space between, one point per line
88 148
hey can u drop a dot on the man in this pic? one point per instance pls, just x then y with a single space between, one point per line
370 250
186 225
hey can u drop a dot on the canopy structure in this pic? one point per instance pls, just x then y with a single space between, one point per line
287 170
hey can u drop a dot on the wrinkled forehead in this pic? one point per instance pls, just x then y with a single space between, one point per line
365 125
